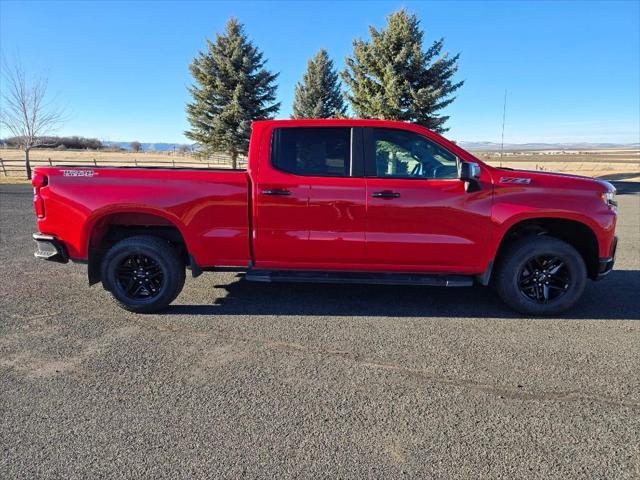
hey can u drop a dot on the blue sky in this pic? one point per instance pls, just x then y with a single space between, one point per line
572 69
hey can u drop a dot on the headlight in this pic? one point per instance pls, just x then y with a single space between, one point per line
610 198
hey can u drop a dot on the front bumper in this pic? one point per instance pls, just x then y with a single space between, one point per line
606 264
50 248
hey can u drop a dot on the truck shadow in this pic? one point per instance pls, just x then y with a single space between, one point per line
621 186
614 298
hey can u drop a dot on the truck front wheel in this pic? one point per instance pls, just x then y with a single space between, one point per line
143 273
541 275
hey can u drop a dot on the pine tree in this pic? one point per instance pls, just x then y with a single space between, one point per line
392 77
231 89
319 95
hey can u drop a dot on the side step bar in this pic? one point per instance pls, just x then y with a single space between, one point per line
359 278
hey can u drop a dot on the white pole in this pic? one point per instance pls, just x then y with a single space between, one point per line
504 111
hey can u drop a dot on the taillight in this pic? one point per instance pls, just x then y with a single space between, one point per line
38 181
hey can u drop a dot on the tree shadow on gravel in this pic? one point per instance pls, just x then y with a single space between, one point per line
614 298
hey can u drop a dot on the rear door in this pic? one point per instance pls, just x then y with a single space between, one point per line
419 216
310 195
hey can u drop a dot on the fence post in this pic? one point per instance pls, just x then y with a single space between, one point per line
50 164
173 162
3 169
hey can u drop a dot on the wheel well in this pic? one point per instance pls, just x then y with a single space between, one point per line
576 234
113 228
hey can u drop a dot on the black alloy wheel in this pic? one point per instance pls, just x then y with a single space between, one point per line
139 277
544 278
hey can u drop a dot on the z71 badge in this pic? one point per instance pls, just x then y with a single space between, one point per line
515 180
78 173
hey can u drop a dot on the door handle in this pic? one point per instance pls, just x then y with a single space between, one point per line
385 194
276 191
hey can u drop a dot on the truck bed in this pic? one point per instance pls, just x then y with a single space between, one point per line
208 206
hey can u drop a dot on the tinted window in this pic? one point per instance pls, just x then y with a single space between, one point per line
312 151
403 154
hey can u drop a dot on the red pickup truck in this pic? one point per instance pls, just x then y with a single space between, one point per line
348 201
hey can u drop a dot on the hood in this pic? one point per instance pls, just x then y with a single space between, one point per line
536 178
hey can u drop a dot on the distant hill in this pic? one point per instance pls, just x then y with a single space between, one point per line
494 146
146 147
475 146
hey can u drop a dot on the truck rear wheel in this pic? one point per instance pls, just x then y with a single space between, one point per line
143 273
541 275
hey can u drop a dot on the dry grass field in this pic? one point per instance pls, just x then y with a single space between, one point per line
614 164
12 158
89 155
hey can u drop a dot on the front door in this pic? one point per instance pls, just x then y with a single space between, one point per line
310 210
419 216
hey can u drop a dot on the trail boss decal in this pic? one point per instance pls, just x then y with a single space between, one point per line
515 180
78 173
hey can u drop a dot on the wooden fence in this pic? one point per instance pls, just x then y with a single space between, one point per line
16 167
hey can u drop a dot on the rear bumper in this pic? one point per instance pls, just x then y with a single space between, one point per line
50 248
606 264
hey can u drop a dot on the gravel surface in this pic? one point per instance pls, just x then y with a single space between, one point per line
312 381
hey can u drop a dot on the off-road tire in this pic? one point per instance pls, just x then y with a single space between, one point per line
161 254
514 262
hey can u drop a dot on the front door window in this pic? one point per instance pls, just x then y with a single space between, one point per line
404 154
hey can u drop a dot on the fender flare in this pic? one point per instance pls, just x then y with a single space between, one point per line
93 265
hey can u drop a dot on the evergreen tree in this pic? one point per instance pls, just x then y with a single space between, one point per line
319 95
231 89
392 77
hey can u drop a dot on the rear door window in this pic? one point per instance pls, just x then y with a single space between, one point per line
313 151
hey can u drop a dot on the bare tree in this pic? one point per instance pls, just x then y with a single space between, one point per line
135 146
26 111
